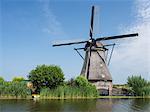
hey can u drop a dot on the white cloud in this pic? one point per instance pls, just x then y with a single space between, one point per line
53 26
133 56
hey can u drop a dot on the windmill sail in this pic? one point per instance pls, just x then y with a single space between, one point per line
92 21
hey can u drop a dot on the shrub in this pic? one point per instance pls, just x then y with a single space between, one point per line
1 79
18 79
81 81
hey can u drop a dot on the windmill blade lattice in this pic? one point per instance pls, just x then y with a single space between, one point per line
117 37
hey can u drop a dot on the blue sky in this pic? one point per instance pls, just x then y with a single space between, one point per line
28 28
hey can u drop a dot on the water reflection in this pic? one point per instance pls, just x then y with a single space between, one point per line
98 105
63 105
140 104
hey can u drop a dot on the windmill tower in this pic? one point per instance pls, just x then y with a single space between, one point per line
95 67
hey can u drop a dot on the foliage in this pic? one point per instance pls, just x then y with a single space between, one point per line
70 82
78 88
14 89
17 79
139 85
64 92
46 76
81 81
1 79
145 91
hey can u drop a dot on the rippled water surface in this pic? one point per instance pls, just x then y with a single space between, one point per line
99 105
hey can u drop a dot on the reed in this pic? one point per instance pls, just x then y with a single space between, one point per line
14 89
68 92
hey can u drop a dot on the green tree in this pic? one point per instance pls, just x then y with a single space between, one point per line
17 79
1 85
46 76
1 79
138 85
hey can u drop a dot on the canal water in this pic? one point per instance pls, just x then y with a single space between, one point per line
98 105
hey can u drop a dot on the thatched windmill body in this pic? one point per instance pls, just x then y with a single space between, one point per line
95 67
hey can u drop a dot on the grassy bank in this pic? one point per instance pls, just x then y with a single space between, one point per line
124 97
99 97
14 97
78 88
65 98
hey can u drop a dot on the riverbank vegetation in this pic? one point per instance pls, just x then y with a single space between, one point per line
48 81
139 86
13 89
78 88
136 87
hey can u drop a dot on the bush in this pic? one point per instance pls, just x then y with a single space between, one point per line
1 80
81 81
18 79
86 87
71 82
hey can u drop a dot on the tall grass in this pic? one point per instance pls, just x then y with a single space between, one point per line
68 92
74 89
14 89
139 85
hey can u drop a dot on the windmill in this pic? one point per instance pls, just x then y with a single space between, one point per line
95 67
